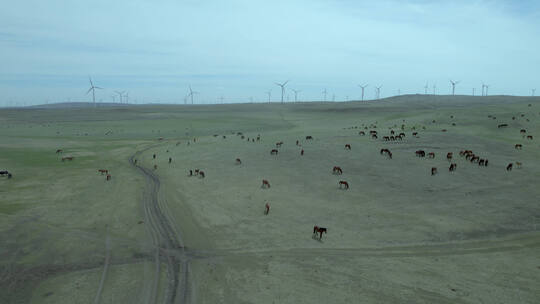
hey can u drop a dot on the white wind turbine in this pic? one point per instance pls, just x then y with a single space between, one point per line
191 93
454 86
324 93
426 88
533 91
363 87
378 91
93 89
269 95
120 94
282 85
296 94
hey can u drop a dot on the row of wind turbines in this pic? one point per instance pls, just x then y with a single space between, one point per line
124 96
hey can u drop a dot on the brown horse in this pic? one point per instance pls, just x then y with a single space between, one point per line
302 152
420 153
201 174
388 153
518 146
347 147
238 161
452 167
266 209
265 184
343 184
431 155
103 171
319 230
361 133
529 137
449 156
509 167
433 171
337 170
274 151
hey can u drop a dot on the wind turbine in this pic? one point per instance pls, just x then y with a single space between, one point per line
93 89
454 86
191 93
378 91
296 94
269 95
533 91
120 94
113 98
434 88
324 93
282 85
363 87
473 89
426 88
487 88
127 97
221 98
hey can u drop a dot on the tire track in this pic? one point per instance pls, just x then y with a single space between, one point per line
167 241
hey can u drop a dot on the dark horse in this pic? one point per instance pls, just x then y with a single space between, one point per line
319 230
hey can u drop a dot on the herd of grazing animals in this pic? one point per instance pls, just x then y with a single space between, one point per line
468 155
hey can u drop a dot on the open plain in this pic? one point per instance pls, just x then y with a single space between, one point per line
155 234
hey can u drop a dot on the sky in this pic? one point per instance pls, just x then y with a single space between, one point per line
235 50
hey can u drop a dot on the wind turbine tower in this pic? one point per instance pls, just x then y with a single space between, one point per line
487 88
378 91
93 89
191 93
120 94
296 94
363 87
282 85
533 91
454 86
426 88
324 93
269 95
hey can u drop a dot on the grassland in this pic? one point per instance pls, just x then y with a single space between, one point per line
397 235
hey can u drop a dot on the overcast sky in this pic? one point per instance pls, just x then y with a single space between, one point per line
238 48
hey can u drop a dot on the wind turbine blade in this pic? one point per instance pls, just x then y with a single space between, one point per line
98 88
91 84
89 90
286 82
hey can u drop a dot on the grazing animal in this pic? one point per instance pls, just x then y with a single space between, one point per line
347 147
509 167
258 137
502 126
431 155
274 151
297 142
103 171
420 153
475 158
529 137
361 133
302 152
337 170
481 162
343 184
108 177
433 171
309 137
452 167
449 156
278 144
154 156
67 158
190 172
443 130
266 209
386 138
265 184
170 160
59 151
238 161
522 131
374 136
486 163
392 132
388 153
319 230
196 171
518 165
201 174
415 134
519 146
4 172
